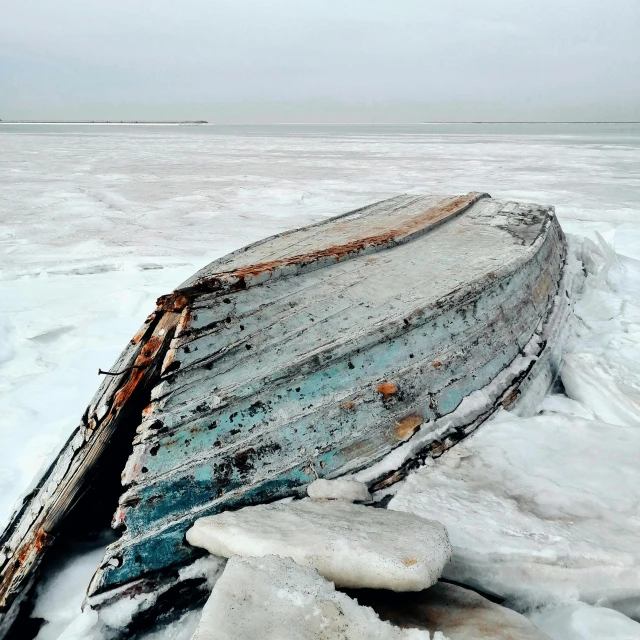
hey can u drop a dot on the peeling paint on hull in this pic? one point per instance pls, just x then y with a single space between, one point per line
315 353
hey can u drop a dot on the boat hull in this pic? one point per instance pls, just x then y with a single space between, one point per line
346 347
216 438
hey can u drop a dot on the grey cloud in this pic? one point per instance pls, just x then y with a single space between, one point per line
306 60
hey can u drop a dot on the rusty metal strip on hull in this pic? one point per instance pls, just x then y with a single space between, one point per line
254 274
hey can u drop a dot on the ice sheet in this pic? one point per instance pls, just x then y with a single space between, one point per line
95 224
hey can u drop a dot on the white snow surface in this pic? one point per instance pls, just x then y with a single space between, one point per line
580 621
609 389
338 489
273 598
349 544
96 222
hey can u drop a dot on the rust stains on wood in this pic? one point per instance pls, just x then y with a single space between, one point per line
39 543
406 427
389 480
23 558
337 252
148 354
143 329
510 398
175 301
387 389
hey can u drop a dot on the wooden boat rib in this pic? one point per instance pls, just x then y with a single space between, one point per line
314 353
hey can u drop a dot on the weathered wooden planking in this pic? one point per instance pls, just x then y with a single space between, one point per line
388 223
288 379
373 288
33 527
385 291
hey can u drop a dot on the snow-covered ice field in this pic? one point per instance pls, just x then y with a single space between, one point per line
97 221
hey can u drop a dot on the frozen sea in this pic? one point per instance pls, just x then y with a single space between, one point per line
96 221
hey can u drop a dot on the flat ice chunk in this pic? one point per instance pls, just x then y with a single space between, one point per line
350 544
609 389
458 613
543 506
273 598
580 621
339 489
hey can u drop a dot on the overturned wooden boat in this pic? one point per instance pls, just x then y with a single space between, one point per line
359 345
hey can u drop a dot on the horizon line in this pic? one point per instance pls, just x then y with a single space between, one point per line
228 124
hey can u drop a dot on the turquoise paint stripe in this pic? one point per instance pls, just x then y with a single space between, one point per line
169 547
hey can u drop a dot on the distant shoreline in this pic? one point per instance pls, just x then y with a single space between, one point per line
317 124
539 122
174 122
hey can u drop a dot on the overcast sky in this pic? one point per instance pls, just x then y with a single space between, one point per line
320 60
